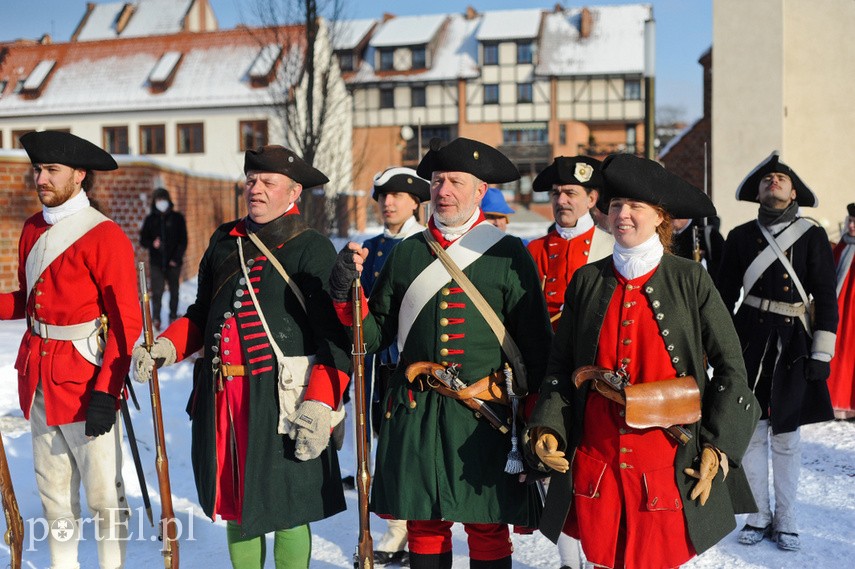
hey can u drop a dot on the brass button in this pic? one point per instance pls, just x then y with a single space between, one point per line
41 280
44 353
627 305
626 341
622 431
585 253
629 287
625 361
39 293
626 323
587 241
443 338
786 289
787 320
412 404
443 321
786 276
379 253
624 450
445 363
443 305
443 352
376 273
445 291
38 306
624 465
388 415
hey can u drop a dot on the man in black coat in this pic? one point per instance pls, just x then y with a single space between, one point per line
164 234
779 261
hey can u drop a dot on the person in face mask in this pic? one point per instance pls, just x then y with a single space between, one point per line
164 234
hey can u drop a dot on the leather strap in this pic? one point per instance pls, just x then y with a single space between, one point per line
795 310
275 262
230 370
68 332
773 244
510 347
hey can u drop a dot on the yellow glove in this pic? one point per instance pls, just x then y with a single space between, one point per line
546 448
711 459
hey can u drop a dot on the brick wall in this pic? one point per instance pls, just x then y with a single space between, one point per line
124 195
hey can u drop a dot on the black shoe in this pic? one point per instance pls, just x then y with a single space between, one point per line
349 483
391 557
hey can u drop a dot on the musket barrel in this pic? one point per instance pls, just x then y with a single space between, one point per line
365 544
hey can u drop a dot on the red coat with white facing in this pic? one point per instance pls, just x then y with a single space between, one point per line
94 276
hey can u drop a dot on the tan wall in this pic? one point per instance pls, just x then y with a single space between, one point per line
123 195
783 82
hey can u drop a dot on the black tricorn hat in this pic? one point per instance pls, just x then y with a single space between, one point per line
403 180
276 158
635 178
851 209
466 155
55 147
577 170
749 187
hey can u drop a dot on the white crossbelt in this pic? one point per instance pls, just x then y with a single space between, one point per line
794 309
68 332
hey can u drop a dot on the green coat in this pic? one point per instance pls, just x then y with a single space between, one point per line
279 490
693 322
435 459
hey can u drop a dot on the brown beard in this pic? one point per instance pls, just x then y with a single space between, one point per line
59 197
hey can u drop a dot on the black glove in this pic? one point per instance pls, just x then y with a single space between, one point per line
342 275
816 370
101 414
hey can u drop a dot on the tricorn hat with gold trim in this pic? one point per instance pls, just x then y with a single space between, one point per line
570 170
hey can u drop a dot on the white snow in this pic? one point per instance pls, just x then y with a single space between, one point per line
407 30
826 495
505 25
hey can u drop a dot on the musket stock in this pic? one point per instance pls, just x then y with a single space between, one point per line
167 527
14 536
365 546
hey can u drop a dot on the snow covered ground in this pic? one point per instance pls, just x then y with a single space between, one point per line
826 495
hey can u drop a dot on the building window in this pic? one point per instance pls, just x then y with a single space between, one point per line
524 93
387 59
152 139
534 134
491 94
387 98
191 138
345 61
630 138
491 54
418 98
419 58
253 134
3 83
562 134
525 52
115 139
16 137
632 90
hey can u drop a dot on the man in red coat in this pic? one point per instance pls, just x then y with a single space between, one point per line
574 185
841 382
77 289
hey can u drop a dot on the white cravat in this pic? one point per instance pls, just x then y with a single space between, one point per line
635 261
583 224
54 215
452 233
408 228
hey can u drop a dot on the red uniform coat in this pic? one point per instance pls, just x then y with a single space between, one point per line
841 382
557 259
628 510
94 276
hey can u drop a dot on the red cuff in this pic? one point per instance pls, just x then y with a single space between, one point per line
185 335
327 385
344 310
529 404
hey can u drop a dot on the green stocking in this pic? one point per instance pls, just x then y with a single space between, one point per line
292 548
245 552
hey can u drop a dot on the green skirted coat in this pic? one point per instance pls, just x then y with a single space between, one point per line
435 459
279 490
693 322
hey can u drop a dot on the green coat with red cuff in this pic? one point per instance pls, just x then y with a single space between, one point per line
435 459
279 490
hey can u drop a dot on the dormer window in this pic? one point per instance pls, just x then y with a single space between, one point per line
491 54
264 67
163 73
387 59
345 61
36 79
419 57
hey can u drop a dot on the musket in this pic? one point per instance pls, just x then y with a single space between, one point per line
14 536
696 243
167 529
365 545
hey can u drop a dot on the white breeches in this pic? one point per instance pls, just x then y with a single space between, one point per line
395 538
786 463
63 457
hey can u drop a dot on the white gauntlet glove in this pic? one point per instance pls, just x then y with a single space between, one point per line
313 429
162 354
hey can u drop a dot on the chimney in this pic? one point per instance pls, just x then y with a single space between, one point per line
46 39
387 16
470 13
558 8
586 23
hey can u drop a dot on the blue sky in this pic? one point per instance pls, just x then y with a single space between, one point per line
683 30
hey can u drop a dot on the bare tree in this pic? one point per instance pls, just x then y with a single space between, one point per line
307 95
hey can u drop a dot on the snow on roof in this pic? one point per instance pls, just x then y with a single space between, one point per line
509 25
38 74
408 30
456 56
114 76
264 61
348 33
616 43
164 66
150 17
